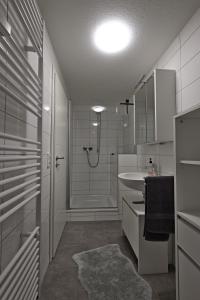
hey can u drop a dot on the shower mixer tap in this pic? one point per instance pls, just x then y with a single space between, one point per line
87 149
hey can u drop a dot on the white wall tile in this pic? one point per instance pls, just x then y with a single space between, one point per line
127 160
190 27
191 71
190 48
190 95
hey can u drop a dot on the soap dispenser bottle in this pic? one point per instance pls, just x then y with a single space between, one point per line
151 169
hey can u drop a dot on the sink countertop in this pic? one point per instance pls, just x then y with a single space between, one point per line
129 197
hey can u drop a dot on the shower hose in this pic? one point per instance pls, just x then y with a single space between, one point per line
98 144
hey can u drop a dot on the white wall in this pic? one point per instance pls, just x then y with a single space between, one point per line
128 130
183 55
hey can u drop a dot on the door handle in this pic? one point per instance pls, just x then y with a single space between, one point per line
57 158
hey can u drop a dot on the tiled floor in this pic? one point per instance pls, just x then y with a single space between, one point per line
61 281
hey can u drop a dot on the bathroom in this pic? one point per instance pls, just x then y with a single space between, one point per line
94 97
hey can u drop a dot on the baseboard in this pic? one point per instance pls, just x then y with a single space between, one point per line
74 215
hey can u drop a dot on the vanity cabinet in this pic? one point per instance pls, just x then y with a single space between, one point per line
154 108
152 256
187 151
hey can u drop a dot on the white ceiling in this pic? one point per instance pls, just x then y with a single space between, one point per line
94 77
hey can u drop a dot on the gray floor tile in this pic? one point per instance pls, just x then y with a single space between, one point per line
61 281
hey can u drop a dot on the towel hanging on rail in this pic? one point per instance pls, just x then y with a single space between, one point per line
159 208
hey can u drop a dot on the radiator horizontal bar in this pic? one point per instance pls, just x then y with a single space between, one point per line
24 149
38 10
16 266
13 289
27 287
10 266
35 289
17 207
20 71
21 167
27 18
13 148
25 261
17 138
28 29
34 272
18 177
13 75
18 187
35 295
18 197
20 93
33 20
36 14
18 99
22 157
17 51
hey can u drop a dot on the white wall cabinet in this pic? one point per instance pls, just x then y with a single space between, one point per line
152 256
154 108
187 151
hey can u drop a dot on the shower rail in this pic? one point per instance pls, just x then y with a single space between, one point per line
21 88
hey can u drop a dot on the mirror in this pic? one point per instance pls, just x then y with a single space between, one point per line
140 116
150 110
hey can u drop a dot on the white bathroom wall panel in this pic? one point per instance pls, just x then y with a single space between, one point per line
183 55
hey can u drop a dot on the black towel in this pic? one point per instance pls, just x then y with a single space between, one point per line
159 208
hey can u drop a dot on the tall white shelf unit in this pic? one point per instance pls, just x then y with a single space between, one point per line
187 204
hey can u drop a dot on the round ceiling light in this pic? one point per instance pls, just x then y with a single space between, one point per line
98 108
112 36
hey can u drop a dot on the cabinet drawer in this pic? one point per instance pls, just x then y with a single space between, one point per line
130 225
189 239
189 274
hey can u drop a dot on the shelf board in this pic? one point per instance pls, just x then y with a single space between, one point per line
192 217
190 162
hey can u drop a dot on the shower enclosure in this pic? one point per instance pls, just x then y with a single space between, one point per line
96 138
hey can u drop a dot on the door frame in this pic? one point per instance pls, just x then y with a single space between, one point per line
52 147
52 171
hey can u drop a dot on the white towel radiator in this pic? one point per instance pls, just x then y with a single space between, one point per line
21 42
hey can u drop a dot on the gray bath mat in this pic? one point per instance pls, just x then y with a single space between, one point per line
107 274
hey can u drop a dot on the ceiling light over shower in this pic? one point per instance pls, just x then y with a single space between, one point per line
98 108
95 124
112 36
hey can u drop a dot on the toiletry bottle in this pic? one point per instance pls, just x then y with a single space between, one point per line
151 169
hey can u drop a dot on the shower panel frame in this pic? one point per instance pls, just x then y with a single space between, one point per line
109 195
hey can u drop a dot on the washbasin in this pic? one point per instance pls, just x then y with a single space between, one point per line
133 180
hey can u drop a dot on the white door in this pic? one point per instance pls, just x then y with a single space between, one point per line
60 162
